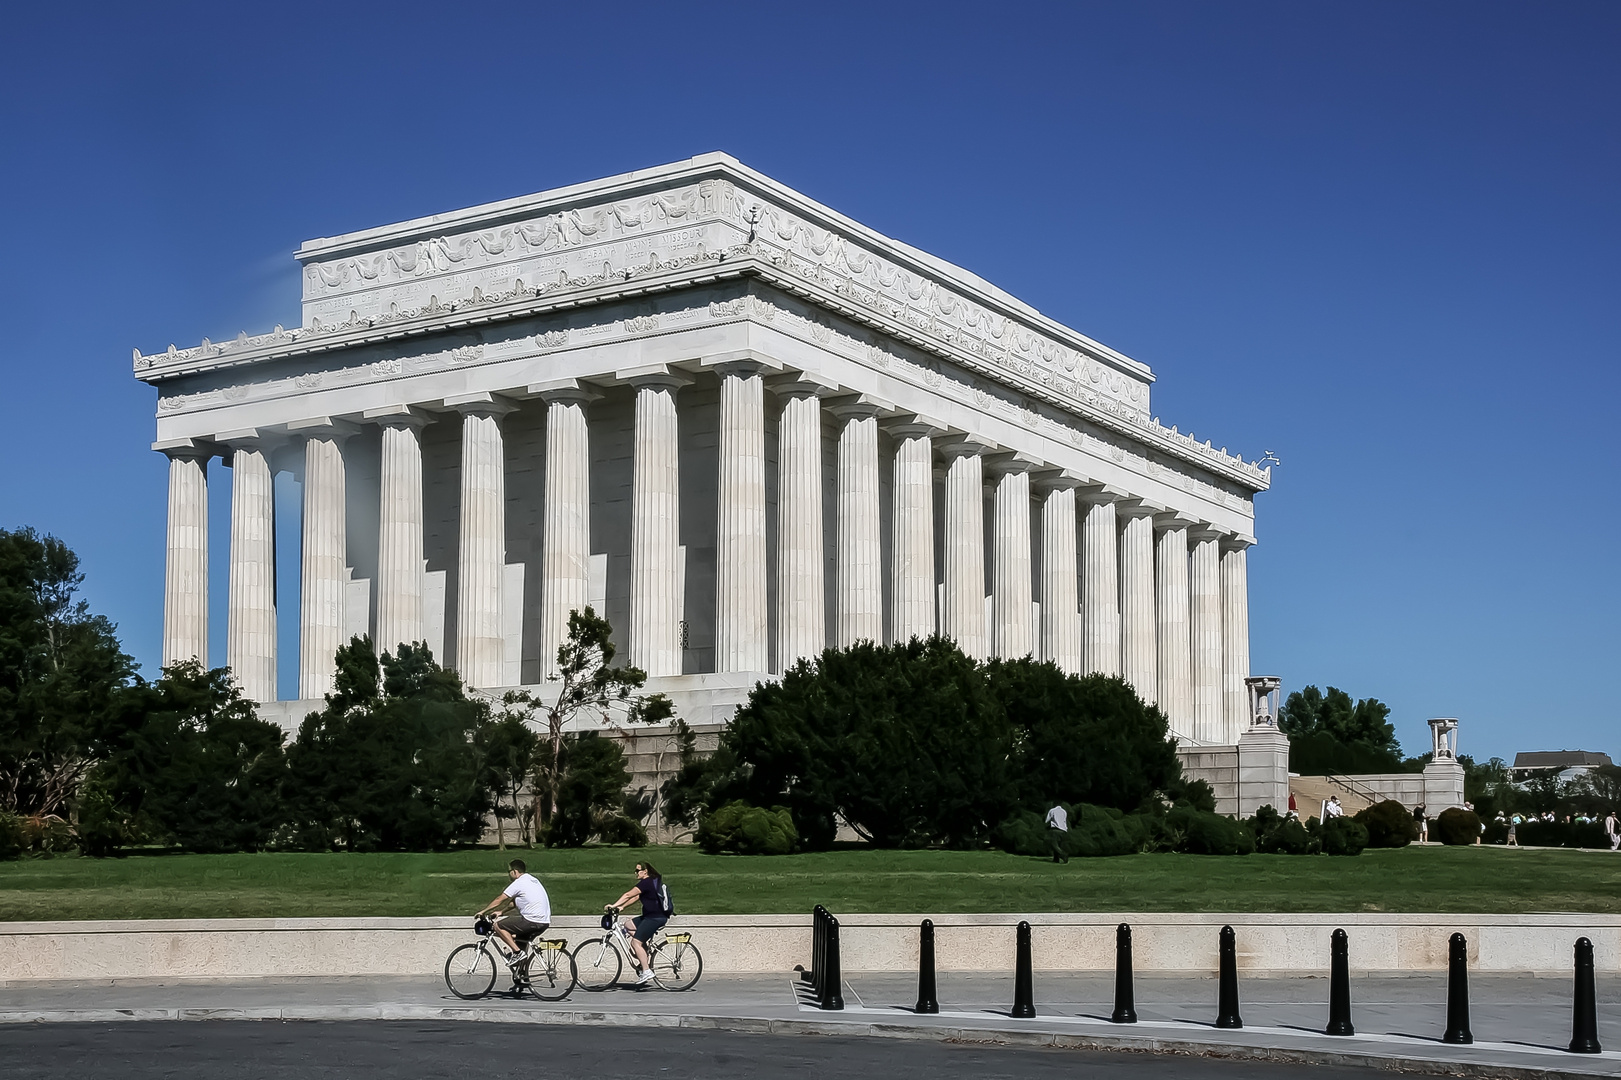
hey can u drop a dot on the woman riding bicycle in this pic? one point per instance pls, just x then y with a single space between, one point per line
649 891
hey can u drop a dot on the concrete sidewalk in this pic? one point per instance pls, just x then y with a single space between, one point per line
1521 1023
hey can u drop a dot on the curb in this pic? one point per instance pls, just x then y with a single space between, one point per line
1155 1044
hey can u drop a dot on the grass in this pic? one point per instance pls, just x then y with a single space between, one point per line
1413 879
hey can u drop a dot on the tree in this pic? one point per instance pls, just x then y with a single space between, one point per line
590 796
589 686
390 764
191 764
61 674
509 749
1330 733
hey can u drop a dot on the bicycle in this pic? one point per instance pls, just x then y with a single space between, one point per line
543 968
598 963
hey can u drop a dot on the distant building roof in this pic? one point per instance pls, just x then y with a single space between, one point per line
1559 759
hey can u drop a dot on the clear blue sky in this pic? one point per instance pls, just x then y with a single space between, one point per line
1380 239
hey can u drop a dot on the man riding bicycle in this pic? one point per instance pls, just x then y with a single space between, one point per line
649 891
528 895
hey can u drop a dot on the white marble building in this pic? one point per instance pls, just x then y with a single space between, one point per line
743 425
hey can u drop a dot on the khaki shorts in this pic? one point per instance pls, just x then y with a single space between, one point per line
521 928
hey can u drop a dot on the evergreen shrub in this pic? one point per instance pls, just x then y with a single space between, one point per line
742 829
1389 824
1457 826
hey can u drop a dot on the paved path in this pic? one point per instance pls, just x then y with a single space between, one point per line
1521 1023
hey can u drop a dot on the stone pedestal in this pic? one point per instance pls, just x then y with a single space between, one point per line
1443 786
1263 770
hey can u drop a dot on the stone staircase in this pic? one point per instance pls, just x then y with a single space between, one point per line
1311 792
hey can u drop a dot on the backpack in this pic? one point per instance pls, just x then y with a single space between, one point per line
669 905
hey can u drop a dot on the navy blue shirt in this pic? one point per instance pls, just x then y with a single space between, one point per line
652 897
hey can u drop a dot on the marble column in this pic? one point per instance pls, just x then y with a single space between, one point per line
963 616
1010 571
1235 637
860 554
1139 643
324 575
655 529
1204 617
911 576
742 627
565 575
1060 593
250 637
801 598
185 581
481 555
400 523
1175 643
1100 584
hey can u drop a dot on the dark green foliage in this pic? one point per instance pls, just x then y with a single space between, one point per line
509 749
389 767
688 792
905 742
1343 836
1455 826
11 836
1328 733
1089 739
61 675
1280 834
190 764
748 830
1198 794
1202 833
1093 831
1389 824
1571 834
591 795
104 829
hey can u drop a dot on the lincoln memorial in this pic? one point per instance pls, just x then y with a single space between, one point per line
740 424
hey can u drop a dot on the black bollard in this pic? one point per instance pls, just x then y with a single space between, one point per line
1227 995
926 1002
1584 1024
1024 990
832 991
1125 1003
1458 992
1339 985
809 974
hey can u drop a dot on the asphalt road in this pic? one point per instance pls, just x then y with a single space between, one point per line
214 1049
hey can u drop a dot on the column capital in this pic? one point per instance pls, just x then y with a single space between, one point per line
398 416
905 425
657 376
571 391
1010 462
1173 519
491 405
323 427
1097 494
800 384
1128 509
857 406
186 449
963 445
1206 531
1054 479
1237 542
741 362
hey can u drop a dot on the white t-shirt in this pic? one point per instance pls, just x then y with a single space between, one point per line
1058 818
530 896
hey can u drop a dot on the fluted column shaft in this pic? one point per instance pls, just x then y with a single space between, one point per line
963 618
1139 635
912 594
801 600
185 579
250 637
399 534
860 555
1204 592
741 619
1010 591
1175 661
323 578
655 532
482 555
1100 588
1235 640
1060 597
566 526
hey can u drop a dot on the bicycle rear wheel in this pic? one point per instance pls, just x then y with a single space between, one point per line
677 965
470 971
551 973
597 964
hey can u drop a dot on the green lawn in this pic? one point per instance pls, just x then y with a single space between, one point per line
580 882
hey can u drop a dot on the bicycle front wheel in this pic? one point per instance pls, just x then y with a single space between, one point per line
677 965
470 971
597 964
551 974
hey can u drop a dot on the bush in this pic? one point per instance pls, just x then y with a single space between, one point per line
1589 834
1204 833
1389 824
1094 831
591 800
748 830
1344 836
11 836
1277 834
1457 826
104 829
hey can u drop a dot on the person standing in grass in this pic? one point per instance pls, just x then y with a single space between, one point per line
1058 831
1612 829
528 895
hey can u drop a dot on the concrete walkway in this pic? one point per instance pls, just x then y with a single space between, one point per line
1521 1023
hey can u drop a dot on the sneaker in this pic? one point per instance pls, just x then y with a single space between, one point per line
516 958
644 978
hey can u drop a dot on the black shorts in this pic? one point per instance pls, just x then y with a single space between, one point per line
648 925
521 928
